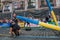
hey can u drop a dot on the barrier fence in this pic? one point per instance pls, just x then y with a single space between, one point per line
35 32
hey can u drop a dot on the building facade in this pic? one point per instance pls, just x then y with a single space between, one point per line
29 4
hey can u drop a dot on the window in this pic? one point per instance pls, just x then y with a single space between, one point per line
31 4
18 5
0 4
21 4
43 3
7 8
51 2
32 0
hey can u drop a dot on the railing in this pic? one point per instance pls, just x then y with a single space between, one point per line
36 33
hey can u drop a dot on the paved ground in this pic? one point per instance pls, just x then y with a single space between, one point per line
30 35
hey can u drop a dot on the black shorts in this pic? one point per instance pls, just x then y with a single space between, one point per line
15 29
28 23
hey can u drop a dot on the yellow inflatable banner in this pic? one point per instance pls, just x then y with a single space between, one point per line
21 24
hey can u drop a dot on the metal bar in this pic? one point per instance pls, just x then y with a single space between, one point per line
39 37
29 36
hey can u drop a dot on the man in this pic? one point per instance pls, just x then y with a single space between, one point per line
28 24
14 27
14 18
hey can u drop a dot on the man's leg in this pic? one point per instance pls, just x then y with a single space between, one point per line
10 31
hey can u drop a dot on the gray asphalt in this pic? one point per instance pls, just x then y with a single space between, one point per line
31 35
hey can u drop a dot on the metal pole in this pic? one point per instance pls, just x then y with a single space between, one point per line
11 15
24 14
12 10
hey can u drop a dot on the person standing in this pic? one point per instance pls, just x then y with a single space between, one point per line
14 27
